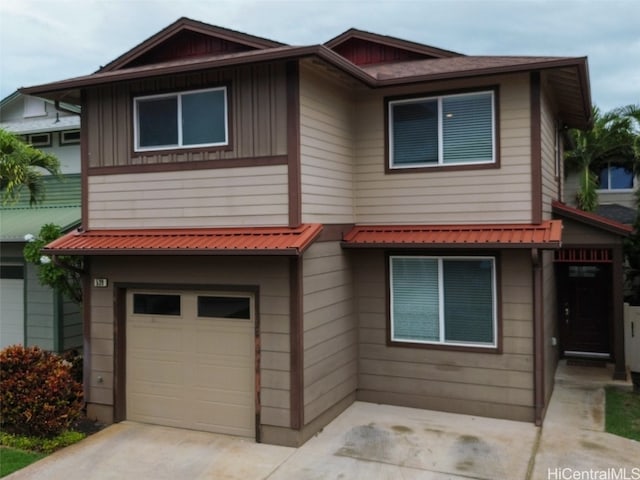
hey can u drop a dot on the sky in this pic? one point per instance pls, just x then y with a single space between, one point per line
42 41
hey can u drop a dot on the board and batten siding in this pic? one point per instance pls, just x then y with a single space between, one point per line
494 195
190 198
269 274
330 329
71 324
257 116
326 148
486 384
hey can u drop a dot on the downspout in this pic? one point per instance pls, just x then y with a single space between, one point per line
538 337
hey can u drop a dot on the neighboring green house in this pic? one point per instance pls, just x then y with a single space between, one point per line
30 313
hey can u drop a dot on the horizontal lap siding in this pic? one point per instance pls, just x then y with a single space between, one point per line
257 120
269 274
497 385
191 198
548 150
473 196
326 149
330 330
550 309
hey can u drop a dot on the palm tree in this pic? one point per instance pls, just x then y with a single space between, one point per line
614 139
21 166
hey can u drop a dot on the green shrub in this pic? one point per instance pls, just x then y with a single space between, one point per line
43 445
38 395
75 359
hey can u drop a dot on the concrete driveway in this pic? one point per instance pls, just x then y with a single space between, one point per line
369 442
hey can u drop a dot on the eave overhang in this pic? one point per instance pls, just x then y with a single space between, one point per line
591 219
407 73
547 235
188 241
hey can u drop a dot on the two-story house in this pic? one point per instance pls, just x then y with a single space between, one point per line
272 232
31 313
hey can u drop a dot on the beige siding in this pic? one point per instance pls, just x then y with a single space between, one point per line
472 196
549 146
190 198
550 313
270 275
258 116
330 330
496 385
326 149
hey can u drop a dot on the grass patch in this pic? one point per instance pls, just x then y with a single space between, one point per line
12 459
623 413
18 451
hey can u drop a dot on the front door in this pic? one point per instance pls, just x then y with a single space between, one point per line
585 309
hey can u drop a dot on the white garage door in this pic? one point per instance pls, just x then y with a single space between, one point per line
190 360
11 305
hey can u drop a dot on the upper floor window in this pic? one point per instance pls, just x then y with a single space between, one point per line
613 177
443 300
196 118
443 130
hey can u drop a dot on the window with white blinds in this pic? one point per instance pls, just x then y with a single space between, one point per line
445 130
443 300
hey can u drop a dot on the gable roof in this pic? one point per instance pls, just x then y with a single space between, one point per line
362 48
137 55
61 206
592 219
568 75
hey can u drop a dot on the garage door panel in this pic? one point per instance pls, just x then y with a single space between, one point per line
224 418
225 378
145 370
191 372
154 337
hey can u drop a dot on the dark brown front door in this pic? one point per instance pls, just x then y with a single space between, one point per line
585 308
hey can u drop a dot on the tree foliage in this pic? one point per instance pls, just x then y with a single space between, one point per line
21 166
614 139
63 274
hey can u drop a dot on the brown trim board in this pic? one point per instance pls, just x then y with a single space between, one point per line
293 143
536 148
84 162
538 336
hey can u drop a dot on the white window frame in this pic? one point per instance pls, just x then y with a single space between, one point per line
442 341
439 99
178 96
65 141
45 143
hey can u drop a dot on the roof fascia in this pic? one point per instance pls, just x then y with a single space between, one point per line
391 42
182 24
591 219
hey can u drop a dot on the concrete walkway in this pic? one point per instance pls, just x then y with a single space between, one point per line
573 436
371 442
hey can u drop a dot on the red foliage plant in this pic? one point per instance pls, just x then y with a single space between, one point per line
38 395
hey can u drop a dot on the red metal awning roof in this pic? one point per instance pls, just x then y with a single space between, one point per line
188 241
545 235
